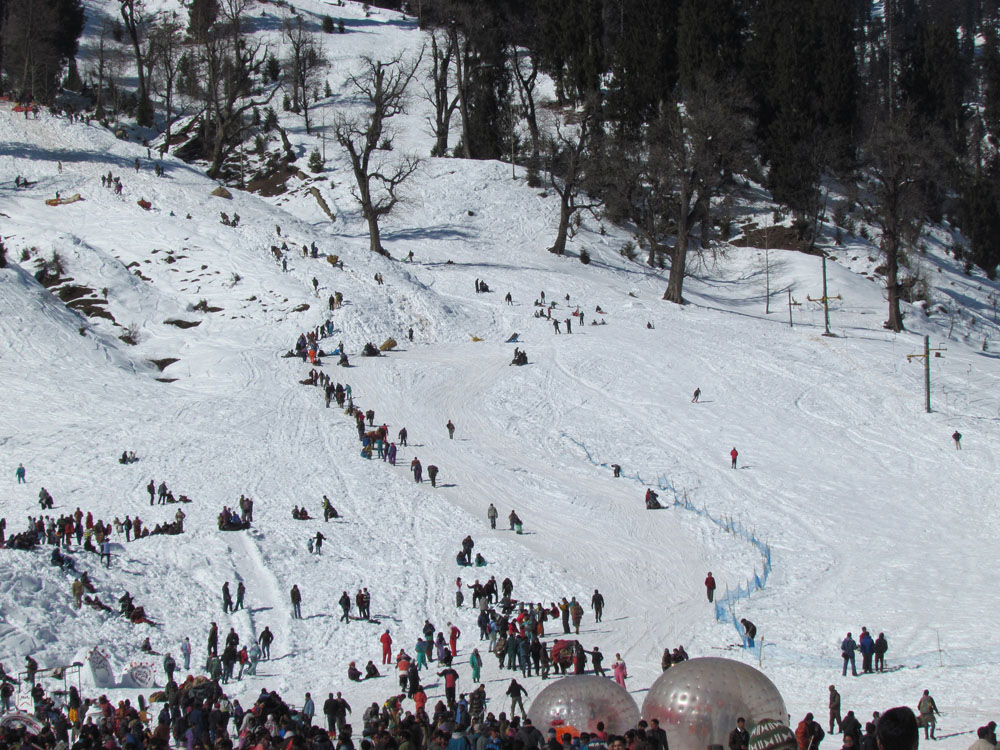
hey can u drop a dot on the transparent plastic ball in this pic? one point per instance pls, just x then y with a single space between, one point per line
575 704
699 700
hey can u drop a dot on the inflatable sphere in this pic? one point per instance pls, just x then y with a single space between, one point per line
699 700
575 704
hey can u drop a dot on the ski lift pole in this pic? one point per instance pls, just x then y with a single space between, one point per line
791 303
926 357
825 299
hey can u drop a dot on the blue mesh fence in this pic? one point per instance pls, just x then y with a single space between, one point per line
725 604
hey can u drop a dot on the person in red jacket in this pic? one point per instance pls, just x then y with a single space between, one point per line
453 638
710 586
386 641
734 453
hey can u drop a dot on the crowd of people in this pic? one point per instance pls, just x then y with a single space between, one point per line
198 714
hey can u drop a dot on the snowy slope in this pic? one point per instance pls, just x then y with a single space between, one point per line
872 516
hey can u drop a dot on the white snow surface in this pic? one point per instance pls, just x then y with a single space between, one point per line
872 515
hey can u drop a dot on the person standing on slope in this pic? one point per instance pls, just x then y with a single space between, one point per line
451 430
928 709
265 640
516 692
881 646
19 473
866 644
834 709
957 437
597 602
186 653
476 662
847 648
416 468
345 605
734 454
491 514
619 670
710 586
296 598
386 640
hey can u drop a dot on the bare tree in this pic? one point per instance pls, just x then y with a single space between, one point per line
303 64
114 68
100 70
30 59
439 94
369 141
462 51
231 64
567 165
525 68
640 176
709 137
166 42
134 19
895 174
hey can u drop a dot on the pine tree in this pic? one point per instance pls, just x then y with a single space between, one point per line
316 162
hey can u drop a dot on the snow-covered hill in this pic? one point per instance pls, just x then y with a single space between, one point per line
872 516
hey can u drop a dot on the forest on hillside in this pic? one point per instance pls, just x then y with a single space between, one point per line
665 107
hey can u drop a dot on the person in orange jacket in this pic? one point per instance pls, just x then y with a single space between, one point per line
386 641
809 733
420 699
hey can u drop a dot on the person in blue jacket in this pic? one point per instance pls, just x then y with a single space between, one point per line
866 644
847 649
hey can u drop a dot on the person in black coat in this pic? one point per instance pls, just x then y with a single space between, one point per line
345 604
881 646
739 738
850 726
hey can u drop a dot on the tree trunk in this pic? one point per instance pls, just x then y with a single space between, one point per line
218 154
374 235
678 256
895 321
460 82
565 213
144 109
169 114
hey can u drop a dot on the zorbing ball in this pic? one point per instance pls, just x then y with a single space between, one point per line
699 700
575 704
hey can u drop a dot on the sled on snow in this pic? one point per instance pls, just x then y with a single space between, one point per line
63 201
